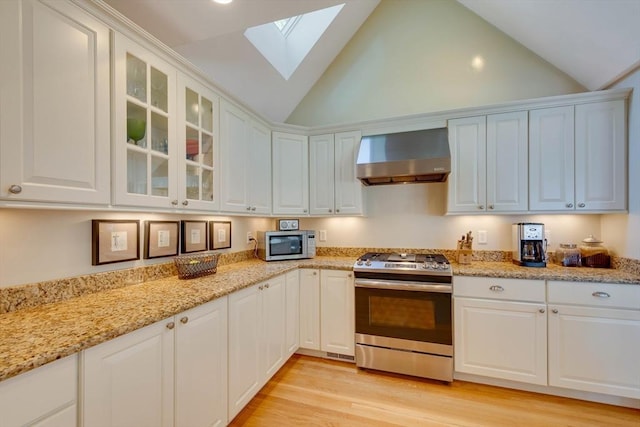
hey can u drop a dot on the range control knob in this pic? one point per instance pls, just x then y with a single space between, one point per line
368 263
359 262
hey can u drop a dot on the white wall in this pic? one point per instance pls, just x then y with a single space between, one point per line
413 57
37 245
622 232
412 216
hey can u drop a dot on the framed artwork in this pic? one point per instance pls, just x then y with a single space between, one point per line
161 238
114 241
219 234
193 236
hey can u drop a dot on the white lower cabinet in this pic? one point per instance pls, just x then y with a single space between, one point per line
169 373
257 334
292 333
501 328
594 337
310 309
337 312
44 397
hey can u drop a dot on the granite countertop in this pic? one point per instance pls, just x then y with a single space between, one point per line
35 336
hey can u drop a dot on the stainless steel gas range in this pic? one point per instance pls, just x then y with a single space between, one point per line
403 314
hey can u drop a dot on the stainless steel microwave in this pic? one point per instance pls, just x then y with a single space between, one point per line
283 245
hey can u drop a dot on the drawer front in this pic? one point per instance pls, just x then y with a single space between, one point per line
612 295
499 288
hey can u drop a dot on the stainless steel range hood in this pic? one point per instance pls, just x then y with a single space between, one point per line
406 157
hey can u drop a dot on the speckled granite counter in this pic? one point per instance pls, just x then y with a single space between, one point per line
34 336
550 272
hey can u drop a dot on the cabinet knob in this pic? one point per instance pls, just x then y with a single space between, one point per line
490 206
253 208
569 205
330 210
266 285
581 205
174 202
554 311
248 208
541 310
185 202
337 210
171 325
315 273
305 211
15 189
261 287
481 207
184 320
496 288
349 275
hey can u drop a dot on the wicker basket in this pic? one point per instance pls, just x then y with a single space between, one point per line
196 265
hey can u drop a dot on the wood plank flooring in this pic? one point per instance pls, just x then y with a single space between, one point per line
309 391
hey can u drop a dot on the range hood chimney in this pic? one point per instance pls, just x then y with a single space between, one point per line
406 157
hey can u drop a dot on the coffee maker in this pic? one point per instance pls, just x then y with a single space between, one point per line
529 245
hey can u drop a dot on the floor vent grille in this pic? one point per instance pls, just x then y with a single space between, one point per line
339 356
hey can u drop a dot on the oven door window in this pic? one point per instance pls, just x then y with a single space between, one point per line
410 315
285 245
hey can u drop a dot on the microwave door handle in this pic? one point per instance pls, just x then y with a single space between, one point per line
403 285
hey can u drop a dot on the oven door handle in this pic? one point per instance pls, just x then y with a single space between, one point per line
402 285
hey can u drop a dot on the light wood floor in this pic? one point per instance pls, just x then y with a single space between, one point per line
310 391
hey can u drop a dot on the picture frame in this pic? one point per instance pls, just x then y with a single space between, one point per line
114 241
161 238
219 234
193 236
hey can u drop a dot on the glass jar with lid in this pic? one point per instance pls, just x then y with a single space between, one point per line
568 255
594 254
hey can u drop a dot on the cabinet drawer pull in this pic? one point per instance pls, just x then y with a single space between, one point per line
171 325
496 288
184 320
15 189
601 295
541 310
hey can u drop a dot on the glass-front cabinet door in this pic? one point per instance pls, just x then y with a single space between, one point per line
145 146
198 184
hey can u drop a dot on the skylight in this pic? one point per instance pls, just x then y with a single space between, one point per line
286 42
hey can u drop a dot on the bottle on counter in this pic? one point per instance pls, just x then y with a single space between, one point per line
594 254
567 255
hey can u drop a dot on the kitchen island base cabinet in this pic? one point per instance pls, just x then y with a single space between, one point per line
146 378
337 312
257 334
43 397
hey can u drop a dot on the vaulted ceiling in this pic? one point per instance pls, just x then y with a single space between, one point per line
593 41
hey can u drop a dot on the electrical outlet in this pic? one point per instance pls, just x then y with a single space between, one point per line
249 237
323 235
482 237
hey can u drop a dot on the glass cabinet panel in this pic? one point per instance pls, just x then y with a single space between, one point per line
147 128
199 146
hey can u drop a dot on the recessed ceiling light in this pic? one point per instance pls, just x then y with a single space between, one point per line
222 1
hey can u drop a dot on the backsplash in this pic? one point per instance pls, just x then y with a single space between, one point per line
35 294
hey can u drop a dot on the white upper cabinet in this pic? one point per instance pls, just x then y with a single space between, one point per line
600 157
578 158
551 164
489 163
321 174
468 179
54 108
198 149
507 171
144 143
245 159
290 174
348 188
